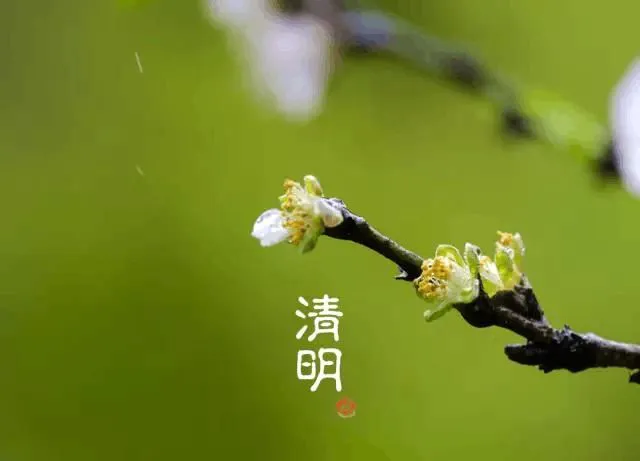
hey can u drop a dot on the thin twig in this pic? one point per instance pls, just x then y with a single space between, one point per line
517 310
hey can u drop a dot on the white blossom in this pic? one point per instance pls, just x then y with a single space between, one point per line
303 215
625 126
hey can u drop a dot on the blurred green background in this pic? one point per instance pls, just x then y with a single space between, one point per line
140 321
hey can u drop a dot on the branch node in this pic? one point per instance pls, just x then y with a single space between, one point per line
567 350
479 313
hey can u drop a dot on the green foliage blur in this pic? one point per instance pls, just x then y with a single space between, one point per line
140 321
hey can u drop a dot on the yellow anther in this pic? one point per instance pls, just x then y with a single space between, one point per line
427 264
505 238
289 184
433 281
441 268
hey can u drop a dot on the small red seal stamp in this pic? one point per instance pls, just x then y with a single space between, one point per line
346 407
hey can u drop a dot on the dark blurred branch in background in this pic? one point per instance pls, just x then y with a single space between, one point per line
516 310
361 29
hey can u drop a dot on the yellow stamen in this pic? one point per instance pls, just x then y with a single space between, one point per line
431 288
297 224
427 264
505 238
432 283
299 218
442 268
289 184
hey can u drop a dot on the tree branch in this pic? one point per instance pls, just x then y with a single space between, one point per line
517 310
358 230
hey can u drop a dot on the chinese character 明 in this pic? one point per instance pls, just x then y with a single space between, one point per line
329 357
326 320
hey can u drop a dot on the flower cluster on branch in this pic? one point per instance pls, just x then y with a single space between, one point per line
486 291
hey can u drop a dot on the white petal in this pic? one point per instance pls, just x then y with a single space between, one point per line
331 216
625 126
269 228
625 101
237 14
629 161
489 271
265 221
461 285
293 64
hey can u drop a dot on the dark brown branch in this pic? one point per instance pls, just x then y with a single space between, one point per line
356 229
517 310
